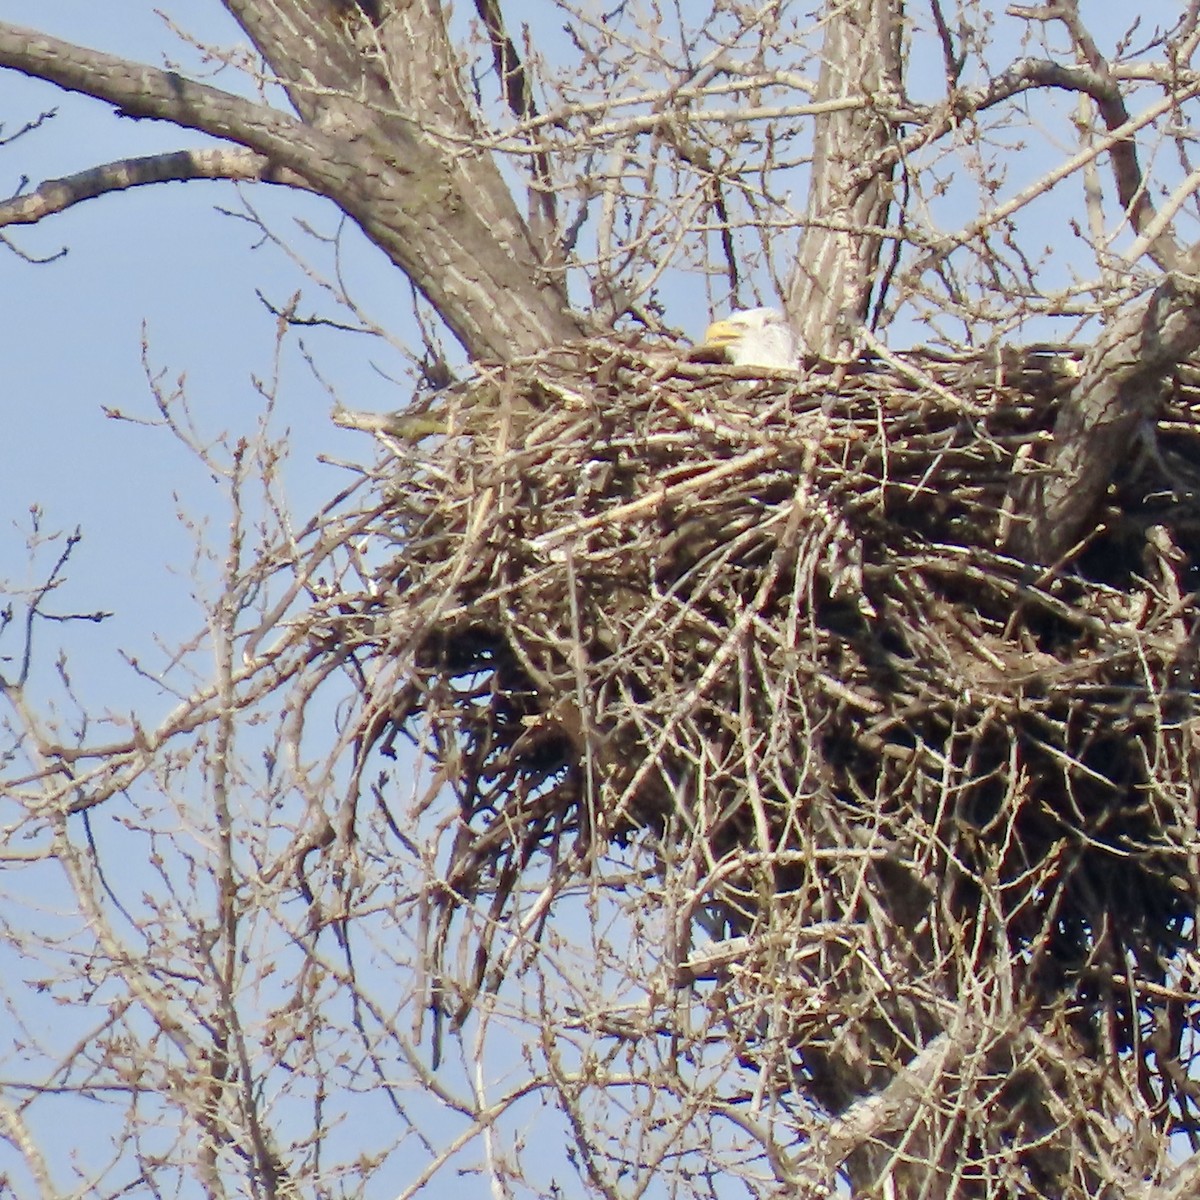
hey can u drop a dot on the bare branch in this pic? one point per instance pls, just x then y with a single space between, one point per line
144 91
835 271
517 87
876 846
57 195
1051 178
895 1107
412 201
1131 189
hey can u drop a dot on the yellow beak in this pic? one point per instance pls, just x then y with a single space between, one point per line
721 333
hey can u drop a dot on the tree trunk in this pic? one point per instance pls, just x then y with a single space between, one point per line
837 265
1119 388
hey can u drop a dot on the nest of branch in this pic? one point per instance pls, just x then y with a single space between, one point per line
772 625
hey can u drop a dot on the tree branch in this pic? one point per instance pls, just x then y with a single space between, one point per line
393 152
835 271
1106 95
517 86
419 180
139 90
1118 388
950 242
57 195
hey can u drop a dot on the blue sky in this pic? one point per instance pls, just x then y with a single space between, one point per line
165 261
161 265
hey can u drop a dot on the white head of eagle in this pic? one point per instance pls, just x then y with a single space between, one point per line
756 337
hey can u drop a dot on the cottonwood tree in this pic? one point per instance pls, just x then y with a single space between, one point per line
649 778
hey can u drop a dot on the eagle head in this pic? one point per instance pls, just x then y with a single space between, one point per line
755 337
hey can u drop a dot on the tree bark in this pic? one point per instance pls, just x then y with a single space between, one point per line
439 206
1119 387
836 268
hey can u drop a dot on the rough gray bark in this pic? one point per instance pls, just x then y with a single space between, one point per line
439 205
837 265
1118 388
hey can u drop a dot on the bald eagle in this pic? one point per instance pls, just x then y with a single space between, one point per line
755 337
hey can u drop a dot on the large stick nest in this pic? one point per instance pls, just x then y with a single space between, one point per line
771 623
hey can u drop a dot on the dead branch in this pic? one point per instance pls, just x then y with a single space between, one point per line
57 195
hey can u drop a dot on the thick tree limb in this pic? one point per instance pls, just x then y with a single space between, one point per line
411 178
139 90
891 1110
443 212
57 195
1181 1185
1118 388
